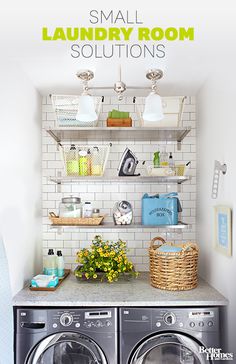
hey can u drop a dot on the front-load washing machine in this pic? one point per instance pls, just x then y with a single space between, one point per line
65 336
168 335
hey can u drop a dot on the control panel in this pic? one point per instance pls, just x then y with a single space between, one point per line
98 319
156 319
197 320
83 320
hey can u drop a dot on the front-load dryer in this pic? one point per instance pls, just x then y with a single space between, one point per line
65 336
168 335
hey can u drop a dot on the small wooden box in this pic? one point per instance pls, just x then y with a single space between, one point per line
119 122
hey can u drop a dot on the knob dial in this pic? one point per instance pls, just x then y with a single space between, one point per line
66 319
98 323
169 318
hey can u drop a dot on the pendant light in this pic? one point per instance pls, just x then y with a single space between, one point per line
86 109
153 110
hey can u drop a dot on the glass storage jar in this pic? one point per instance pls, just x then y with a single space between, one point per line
70 207
123 213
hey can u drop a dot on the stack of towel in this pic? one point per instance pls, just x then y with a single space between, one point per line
168 248
116 114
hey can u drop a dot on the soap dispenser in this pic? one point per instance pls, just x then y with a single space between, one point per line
60 264
50 264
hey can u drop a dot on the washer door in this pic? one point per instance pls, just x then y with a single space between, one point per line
169 348
67 348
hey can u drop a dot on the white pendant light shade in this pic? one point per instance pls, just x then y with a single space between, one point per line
86 110
153 108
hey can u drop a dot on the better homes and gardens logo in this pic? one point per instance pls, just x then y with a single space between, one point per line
216 354
117 34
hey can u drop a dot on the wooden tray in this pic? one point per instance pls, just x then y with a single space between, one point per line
67 272
76 220
119 122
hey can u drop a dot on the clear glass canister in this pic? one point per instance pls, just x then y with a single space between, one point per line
70 207
123 213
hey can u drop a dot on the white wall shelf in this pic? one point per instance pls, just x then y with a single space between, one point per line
108 179
181 226
73 134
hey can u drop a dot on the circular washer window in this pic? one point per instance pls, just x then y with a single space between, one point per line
67 348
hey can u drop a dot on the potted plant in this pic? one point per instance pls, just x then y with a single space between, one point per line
104 260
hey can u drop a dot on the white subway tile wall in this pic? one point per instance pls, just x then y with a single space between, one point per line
104 196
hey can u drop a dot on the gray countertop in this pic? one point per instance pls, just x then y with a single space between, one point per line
136 292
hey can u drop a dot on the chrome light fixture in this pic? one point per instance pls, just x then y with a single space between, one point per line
153 110
86 109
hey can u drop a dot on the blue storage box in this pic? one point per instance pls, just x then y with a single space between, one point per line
160 209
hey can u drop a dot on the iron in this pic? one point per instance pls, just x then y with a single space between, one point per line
128 164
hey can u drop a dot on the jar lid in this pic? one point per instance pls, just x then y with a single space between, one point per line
124 206
71 199
82 153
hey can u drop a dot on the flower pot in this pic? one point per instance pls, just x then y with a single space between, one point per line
101 276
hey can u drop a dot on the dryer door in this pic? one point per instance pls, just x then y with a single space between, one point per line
66 348
169 348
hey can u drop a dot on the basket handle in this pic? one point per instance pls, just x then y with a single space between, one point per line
189 245
157 238
52 214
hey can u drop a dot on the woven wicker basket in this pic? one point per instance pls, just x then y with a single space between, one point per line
174 271
76 221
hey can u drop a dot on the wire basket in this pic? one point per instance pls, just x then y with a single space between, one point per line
85 160
66 108
173 271
166 171
173 111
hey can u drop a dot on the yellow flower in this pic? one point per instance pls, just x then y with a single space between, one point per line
91 268
95 276
87 275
